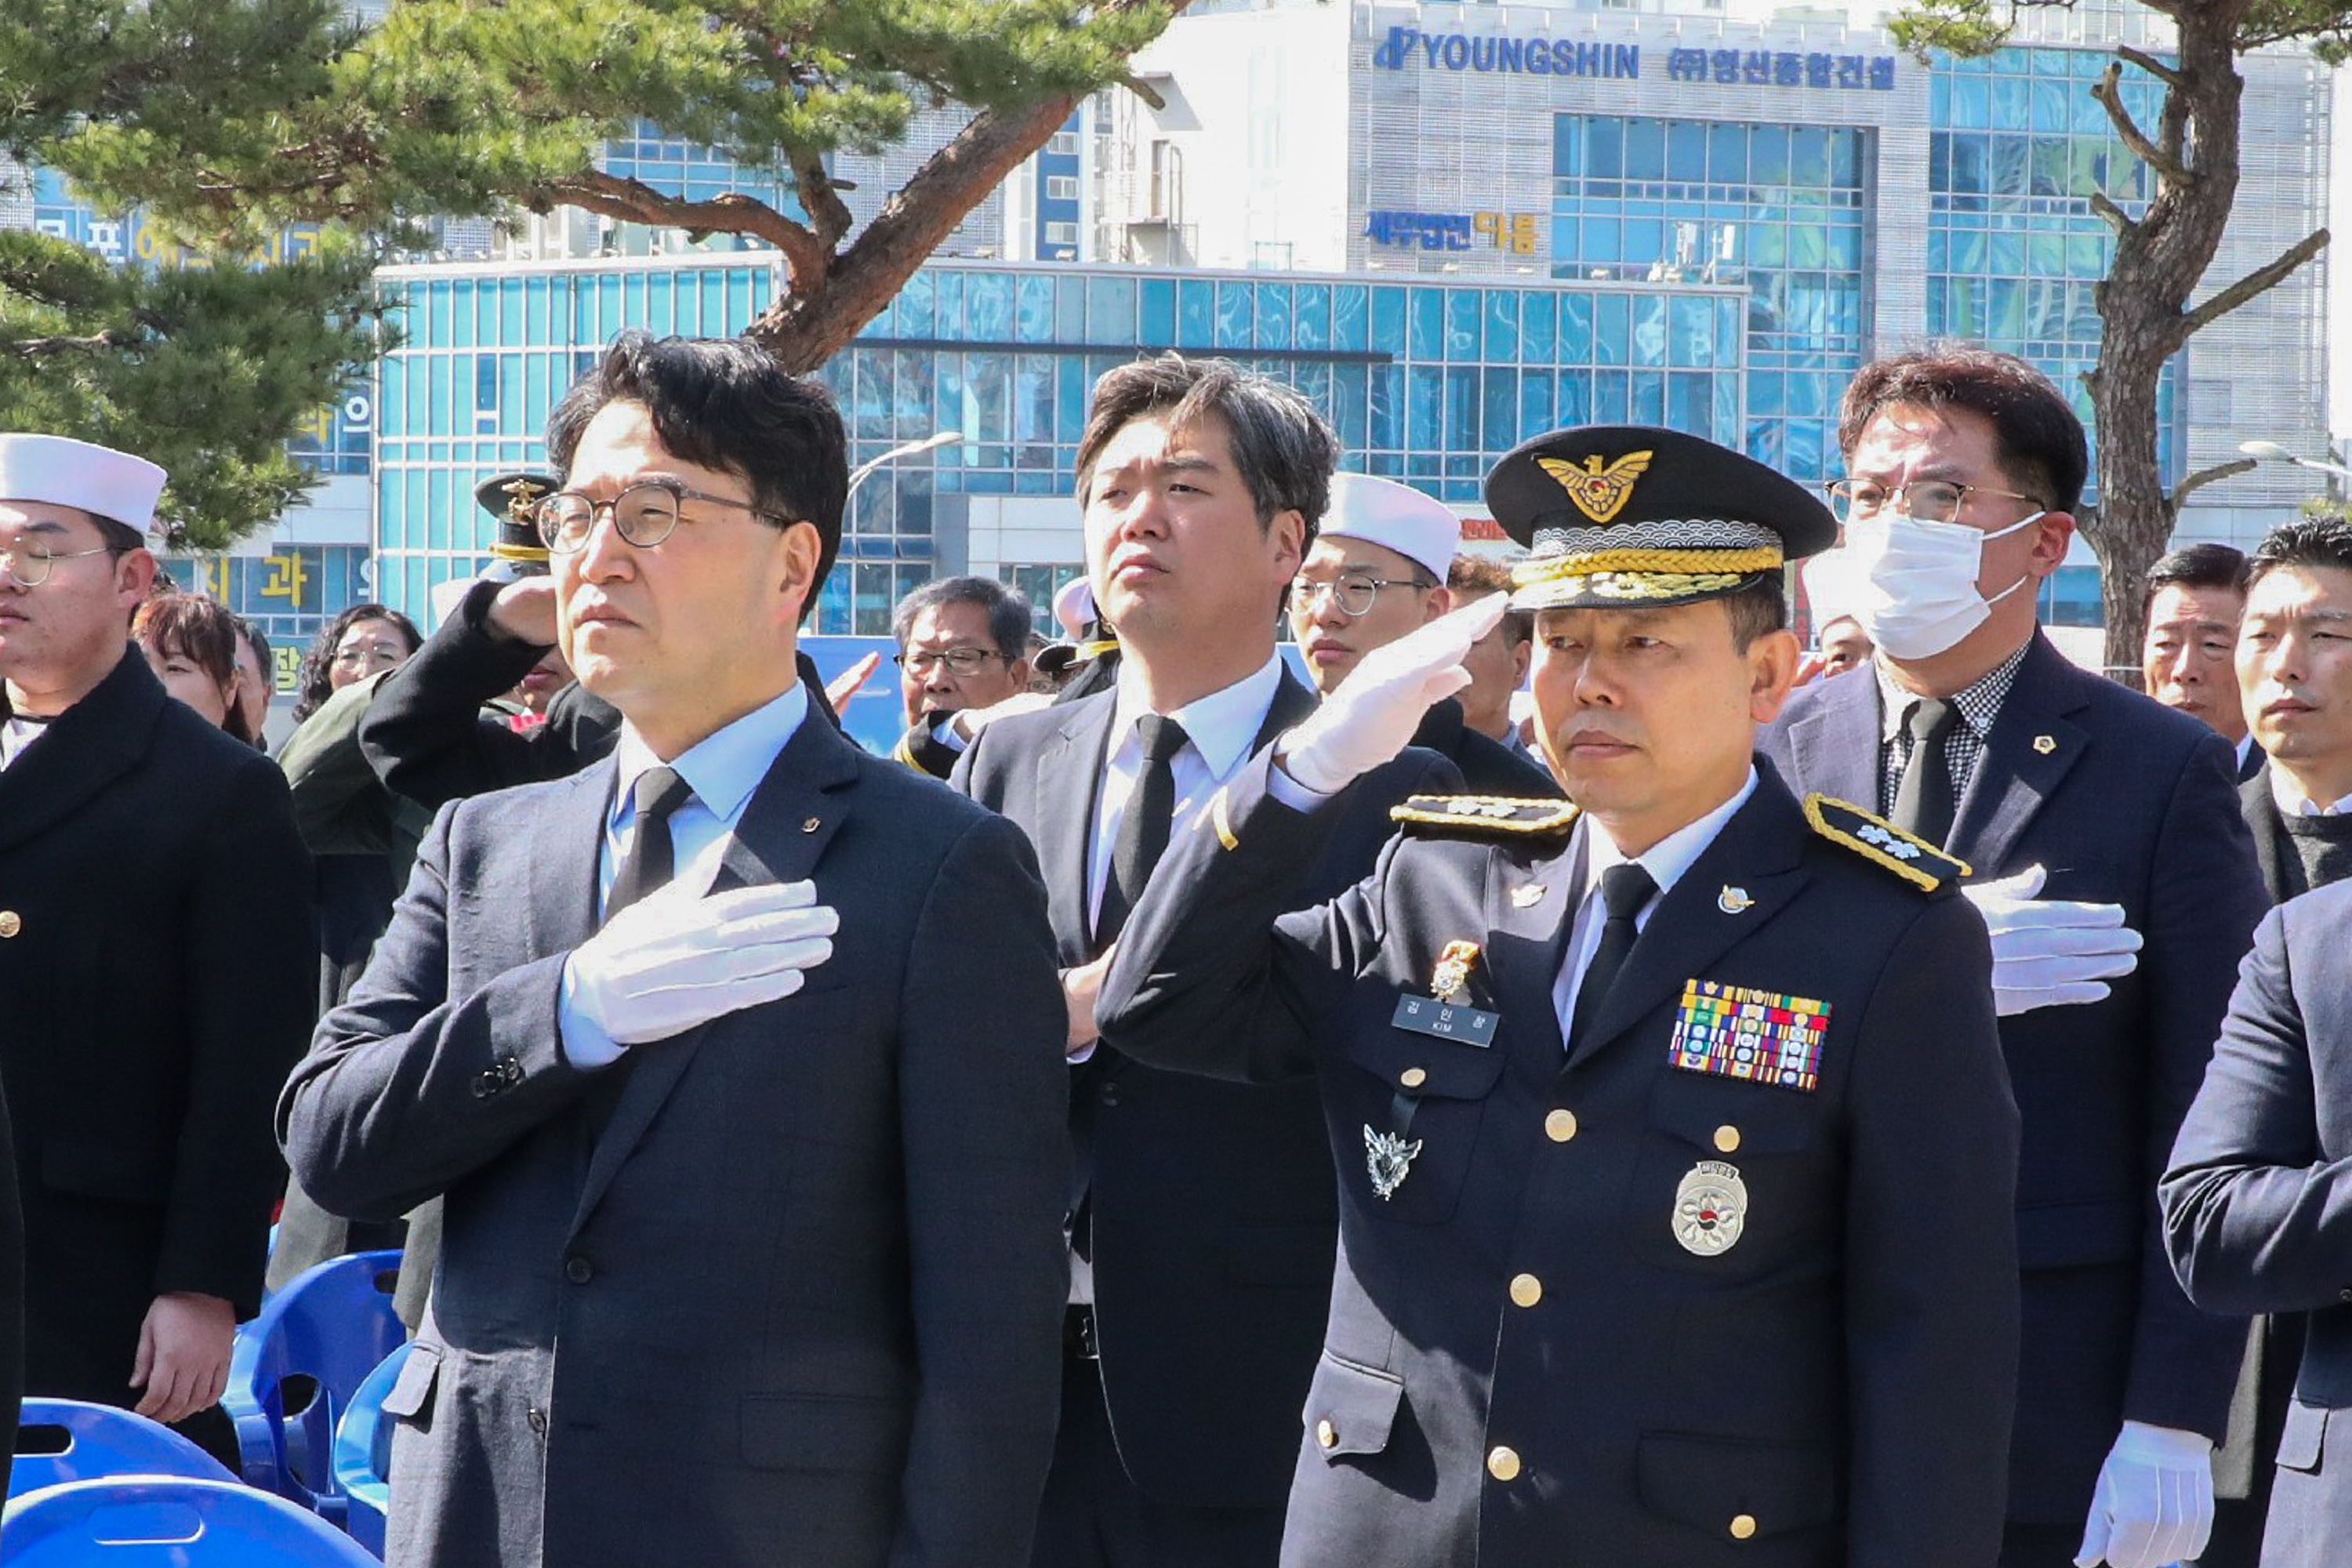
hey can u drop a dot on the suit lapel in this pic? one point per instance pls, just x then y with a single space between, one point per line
1293 702
791 815
90 744
1530 910
560 869
1834 748
2260 807
1758 853
1068 785
2033 746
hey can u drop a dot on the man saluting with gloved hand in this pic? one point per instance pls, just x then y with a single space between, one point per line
2114 870
736 1060
1675 1150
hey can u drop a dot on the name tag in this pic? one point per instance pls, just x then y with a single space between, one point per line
1446 1020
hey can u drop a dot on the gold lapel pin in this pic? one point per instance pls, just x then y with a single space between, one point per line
1527 894
810 826
1733 901
2045 744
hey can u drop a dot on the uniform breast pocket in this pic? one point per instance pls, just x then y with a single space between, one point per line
1733 1180
1421 1102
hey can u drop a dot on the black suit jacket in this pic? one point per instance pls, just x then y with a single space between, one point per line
2125 801
158 977
1831 1391
1486 766
1211 1215
2258 1203
801 1298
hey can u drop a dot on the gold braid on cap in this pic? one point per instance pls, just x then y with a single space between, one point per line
1662 562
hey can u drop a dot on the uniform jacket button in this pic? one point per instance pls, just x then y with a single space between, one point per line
578 1270
1503 1463
1743 1525
1561 1126
11 922
1526 1289
1325 1435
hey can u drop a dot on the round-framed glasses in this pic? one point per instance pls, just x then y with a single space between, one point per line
1922 501
644 514
1353 592
961 660
27 564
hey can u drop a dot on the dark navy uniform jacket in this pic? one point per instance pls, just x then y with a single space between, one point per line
1522 1363
2258 1203
2125 801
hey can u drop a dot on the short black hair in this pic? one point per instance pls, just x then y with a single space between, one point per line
725 404
1284 449
2036 437
1758 609
1008 610
2321 539
1475 577
2202 565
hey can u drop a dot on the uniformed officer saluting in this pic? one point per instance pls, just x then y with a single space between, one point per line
1675 1150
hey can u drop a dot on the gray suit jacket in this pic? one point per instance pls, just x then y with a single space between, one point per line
801 1298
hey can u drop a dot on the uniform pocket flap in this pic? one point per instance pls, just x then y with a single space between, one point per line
410 1398
2070 1236
1350 1408
825 1432
100 1170
1734 1489
1423 1066
2304 1435
1729 1118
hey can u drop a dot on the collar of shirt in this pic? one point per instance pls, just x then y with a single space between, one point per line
1979 701
722 769
18 733
2292 802
2245 744
1669 858
1219 726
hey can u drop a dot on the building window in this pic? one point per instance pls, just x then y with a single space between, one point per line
1061 188
1063 144
1061 233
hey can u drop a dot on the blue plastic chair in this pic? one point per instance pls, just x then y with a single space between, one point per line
168 1521
98 1440
363 1465
331 1325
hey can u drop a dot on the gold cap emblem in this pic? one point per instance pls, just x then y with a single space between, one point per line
1599 493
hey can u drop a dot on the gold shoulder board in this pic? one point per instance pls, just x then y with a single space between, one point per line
1882 843
1485 813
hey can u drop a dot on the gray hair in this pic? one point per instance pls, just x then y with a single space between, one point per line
1008 612
1284 449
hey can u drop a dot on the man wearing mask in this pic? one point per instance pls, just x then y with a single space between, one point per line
2115 871
2195 597
1377 570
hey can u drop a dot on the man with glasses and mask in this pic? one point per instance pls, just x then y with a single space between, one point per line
2115 873
157 960
963 642
750 1241
1377 570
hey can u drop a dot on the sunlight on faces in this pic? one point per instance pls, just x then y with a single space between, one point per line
185 680
72 627
694 633
1844 645
2189 659
938 630
1334 642
1499 667
2295 673
1174 545
1904 443
365 648
1648 717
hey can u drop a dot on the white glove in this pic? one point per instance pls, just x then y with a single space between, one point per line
1373 714
2155 1499
2046 952
674 960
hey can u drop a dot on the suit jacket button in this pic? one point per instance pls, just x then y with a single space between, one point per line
1743 1525
578 1270
1110 1094
1503 1463
2344 1294
11 922
1325 1435
512 1071
536 1419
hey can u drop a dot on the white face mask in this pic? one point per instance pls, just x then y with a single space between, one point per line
1918 581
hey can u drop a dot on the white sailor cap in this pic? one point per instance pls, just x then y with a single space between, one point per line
1381 511
62 471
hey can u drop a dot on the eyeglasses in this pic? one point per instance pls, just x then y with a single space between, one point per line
1923 501
1354 595
961 660
370 653
644 514
27 564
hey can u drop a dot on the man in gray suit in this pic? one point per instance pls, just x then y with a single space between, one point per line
751 1243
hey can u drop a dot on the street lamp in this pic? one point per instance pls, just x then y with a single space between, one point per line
2272 452
931 443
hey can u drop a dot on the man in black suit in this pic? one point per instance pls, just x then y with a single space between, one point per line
1380 567
1671 1234
2096 821
157 960
750 1244
2196 598
2258 1203
1202 1215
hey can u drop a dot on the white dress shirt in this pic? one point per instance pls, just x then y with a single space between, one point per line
2292 801
1666 861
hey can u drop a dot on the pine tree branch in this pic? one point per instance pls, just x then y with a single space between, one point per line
2256 282
2166 165
2154 67
2204 477
634 201
819 198
106 341
2118 219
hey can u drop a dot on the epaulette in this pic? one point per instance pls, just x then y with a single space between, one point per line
1877 840
1485 813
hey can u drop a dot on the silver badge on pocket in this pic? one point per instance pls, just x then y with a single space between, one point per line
1710 1208
1389 1159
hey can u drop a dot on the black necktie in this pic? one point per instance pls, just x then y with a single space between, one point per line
1923 800
1143 829
650 860
1624 889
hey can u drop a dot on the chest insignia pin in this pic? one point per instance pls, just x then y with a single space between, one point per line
1527 894
1733 901
1710 1208
1389 1159
1452 971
